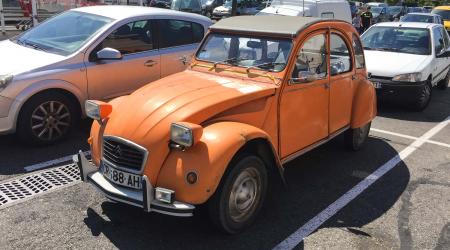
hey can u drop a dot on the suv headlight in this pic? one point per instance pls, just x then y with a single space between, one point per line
5 80
185 134
412 77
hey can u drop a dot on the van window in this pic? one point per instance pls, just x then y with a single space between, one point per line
359 53
329 15
438 41
177 33
130 38
340 60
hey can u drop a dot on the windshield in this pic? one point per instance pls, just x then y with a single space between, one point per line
64 33
417 18
376 10
190 5
266 54
397 39
415 9
394 10
445 14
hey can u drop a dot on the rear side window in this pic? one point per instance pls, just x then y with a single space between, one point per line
438 41
340 60
177 33
359 53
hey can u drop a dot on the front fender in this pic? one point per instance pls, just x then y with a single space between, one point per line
364 104
209 158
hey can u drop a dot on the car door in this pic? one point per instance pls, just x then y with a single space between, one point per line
304 101
178 40
341 85
440 64
139 65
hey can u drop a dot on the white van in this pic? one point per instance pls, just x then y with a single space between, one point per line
334 9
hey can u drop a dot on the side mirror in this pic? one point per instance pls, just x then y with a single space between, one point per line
109 54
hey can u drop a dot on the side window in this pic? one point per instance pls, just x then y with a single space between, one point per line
131 38
198 32
178 32
340 60
311 61
438 41
329 15
359 53
446 38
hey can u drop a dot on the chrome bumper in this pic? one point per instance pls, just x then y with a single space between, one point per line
140 198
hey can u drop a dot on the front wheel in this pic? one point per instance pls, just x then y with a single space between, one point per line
240 195
423 99
443 84
355 138
46 118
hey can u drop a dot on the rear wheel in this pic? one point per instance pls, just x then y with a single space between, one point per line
240 195
443 84
356 138
46 118
424 98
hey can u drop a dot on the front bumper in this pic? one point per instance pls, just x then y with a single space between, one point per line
7 115
401 91
140 198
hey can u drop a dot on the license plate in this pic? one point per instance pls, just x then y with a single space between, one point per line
122 178
377 85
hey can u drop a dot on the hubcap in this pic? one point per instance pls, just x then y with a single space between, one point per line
245 194
50 120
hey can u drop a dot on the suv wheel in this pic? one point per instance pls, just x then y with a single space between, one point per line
240 195
356 138
424 98
46 118
443 84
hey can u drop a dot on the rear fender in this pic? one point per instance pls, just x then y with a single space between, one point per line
209 159
364 104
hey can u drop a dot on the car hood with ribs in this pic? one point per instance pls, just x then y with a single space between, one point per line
145 116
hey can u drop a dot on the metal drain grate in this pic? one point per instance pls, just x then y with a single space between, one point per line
25 187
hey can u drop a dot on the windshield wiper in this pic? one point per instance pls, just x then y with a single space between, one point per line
388 49
262 65
368 48
33 45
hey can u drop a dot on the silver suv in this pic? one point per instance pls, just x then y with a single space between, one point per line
99 52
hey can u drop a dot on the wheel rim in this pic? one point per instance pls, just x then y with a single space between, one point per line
50 120
245 194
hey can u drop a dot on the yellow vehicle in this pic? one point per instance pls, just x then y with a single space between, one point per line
444 12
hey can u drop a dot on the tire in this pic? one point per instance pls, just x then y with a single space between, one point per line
443 84
423 99
47 118
357 137
247 176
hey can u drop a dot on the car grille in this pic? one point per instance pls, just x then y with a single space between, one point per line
123 154
380 77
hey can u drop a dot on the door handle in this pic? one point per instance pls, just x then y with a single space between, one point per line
183 59
150 63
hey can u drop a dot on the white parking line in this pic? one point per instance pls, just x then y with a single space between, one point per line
52 162
410 137
295 238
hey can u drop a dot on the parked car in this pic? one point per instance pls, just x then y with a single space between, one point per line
244 7
261 91
377 4
331 9
191 6
161 3
379 14
422 18
444 12
405 60
427 9
415 10
396 12
209 6
98 52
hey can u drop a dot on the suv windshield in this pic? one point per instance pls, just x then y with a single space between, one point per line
266 54
398 39
64 33
394 10
445 14
376 11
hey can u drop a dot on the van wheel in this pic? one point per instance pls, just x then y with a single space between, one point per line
443 84
46 118
423 99
355 138
240 195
